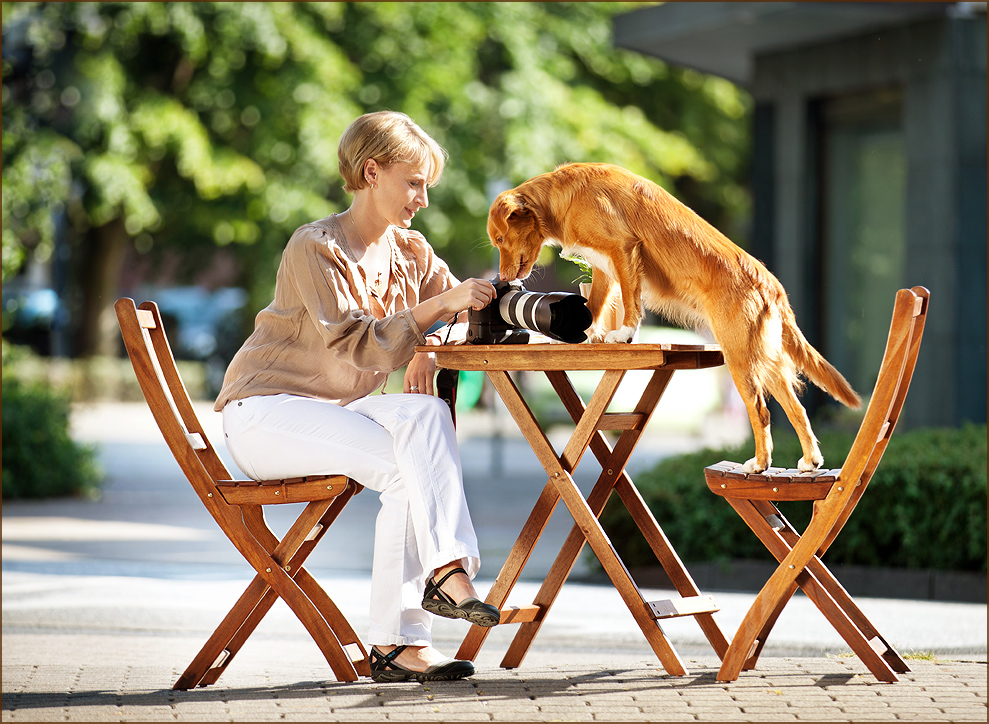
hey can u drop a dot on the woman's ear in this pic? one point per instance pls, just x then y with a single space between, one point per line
371 172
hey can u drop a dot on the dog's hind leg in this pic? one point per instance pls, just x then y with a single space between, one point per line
797 415
755 405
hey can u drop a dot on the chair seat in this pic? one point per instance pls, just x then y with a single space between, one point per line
289 490
728 480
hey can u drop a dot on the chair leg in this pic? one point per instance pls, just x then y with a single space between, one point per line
780 545
821 588
763 635
259 597
224 643
335 618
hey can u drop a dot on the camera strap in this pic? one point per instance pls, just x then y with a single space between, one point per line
449 327
447 379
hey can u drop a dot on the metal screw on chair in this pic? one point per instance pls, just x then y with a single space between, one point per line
209 495
724 485
268 570
776 490
278 492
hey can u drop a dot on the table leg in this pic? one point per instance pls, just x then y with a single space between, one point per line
510 571
531 531
584 512
589 424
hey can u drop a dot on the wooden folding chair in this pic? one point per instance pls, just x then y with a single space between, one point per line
237 507
834 493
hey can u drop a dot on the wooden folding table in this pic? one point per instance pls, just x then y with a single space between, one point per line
555 360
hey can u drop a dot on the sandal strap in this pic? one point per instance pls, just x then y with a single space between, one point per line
433 587
387 659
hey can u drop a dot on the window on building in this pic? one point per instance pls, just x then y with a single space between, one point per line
863 185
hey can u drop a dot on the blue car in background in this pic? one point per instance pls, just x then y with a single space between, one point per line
31 316
202 325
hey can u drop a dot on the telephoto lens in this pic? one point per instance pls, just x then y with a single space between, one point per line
558 315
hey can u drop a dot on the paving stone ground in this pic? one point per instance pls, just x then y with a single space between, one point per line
105 603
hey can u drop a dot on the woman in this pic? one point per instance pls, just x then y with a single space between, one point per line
354 294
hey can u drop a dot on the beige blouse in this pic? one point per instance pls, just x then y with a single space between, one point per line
324 335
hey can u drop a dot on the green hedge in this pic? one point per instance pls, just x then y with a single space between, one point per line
925 507
40 459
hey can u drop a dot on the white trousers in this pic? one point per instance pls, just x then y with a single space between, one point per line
405 447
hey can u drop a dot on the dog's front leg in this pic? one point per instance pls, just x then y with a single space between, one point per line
605 305
628 272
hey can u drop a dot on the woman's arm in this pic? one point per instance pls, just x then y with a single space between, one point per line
471 294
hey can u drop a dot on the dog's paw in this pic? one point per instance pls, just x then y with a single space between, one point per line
594 334
753 466
622 334
809 467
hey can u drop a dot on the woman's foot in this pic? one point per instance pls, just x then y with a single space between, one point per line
449 593
415 658
422 663
458 586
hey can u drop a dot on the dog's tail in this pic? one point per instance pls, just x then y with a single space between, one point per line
817 369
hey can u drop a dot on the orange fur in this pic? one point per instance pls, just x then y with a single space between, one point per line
645 246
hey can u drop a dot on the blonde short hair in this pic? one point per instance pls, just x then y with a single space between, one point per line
388 137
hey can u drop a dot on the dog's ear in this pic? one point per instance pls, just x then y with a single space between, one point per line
514 207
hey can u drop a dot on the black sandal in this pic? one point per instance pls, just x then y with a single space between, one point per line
470 609
385 669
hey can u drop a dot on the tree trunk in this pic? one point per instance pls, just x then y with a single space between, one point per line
99 281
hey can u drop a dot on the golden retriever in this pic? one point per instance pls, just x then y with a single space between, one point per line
643 245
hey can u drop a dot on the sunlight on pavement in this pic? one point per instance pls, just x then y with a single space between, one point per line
74 529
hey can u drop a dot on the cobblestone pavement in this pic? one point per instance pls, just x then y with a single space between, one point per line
105 602
127 679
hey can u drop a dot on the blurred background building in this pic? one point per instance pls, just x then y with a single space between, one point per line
868 170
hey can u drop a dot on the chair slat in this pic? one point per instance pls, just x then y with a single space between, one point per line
196 440
686 606
276 492
146 319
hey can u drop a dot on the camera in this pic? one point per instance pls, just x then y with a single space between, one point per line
515 312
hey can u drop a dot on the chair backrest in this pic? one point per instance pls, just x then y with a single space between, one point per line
166 394
899 360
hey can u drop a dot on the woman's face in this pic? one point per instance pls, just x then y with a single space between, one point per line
400 191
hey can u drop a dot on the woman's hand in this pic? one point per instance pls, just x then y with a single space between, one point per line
471 294
421 371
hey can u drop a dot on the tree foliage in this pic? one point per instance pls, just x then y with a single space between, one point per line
190 127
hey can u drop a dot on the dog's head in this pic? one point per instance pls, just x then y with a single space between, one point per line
515 231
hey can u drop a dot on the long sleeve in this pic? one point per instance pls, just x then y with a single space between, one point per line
319 337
